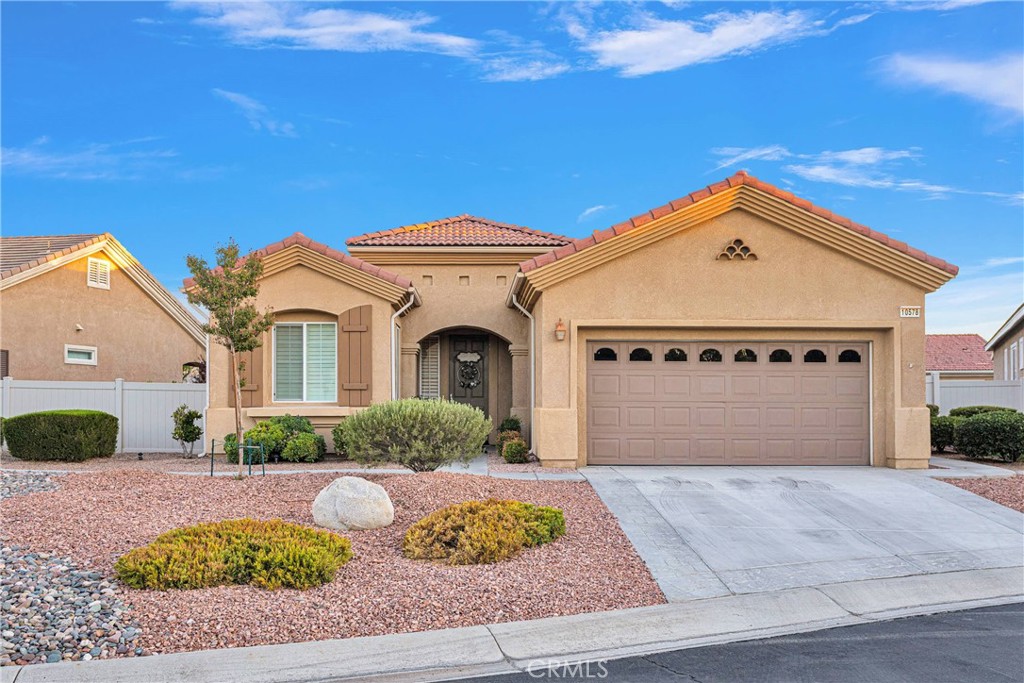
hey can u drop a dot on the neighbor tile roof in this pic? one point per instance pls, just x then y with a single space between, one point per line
740 178
460 231
341 257
956 352
18 254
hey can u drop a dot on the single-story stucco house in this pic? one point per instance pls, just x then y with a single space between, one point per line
82 308
739 324
1007 347
957 357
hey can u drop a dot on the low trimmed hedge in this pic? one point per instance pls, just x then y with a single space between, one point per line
275 435
64 435
515 451
944 431
482 531
933 409
971 411
270 555
994 434
304 447
419 434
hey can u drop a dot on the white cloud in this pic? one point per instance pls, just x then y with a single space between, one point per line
297 26
1003 261
257 114
871 167
657 45
998 82
979 304
518 69
96 161
593 211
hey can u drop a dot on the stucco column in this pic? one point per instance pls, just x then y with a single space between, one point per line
409 381
521 385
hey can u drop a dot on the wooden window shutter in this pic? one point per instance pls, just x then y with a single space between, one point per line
252 389
355 356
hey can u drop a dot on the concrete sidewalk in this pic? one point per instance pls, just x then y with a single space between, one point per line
512 647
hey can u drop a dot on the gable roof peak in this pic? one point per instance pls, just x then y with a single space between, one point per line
463 230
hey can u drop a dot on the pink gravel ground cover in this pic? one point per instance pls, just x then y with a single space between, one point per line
173 462
496 463
1008 491
96 517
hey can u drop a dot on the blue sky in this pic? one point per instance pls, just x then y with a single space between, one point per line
175 126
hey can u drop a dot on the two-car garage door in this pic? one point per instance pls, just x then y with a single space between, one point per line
725 403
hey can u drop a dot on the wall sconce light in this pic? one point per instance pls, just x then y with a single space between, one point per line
79 328
560 330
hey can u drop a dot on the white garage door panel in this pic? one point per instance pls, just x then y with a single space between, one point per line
678 409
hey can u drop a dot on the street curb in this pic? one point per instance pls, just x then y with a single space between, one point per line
516 646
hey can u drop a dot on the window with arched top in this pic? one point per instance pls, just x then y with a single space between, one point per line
604 353
849 356
710 356
675 355
780 356
815 356
640 353
745 356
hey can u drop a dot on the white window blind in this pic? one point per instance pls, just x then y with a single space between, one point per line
306 362
288 363
99 273
321 362
430 368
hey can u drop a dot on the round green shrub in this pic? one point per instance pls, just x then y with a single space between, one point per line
304 447
933 409
994 434
268 554
944 431
292 425
64 435
231 451
511 424
504 437
482 532
418 434
515 451
971 411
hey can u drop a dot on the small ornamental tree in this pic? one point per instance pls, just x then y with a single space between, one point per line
228 294
186 431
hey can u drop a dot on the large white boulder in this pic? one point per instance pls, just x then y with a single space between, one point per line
352 503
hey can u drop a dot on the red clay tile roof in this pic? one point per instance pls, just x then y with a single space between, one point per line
740 178
460 231
18 254
341 257
956 352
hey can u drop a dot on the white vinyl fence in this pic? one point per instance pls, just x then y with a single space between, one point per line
143 409
956 393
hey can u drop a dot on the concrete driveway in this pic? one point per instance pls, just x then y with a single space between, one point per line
712 531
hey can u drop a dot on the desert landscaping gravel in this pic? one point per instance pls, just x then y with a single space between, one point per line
1008 491
592 568
169 462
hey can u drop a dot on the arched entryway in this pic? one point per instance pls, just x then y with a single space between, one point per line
464 364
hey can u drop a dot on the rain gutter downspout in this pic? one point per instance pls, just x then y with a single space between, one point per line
533 366
394 343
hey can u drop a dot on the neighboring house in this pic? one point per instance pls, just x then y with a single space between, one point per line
80 307
957 356
737 325
1007 347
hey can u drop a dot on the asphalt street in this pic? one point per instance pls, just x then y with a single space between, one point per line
974 646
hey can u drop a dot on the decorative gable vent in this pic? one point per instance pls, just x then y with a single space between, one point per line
736 250
99 273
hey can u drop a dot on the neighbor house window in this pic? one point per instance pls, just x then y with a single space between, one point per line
5 365
306 362
1014 370
99 273
79 355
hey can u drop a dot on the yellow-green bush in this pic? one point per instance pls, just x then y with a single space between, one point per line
270 555
482 532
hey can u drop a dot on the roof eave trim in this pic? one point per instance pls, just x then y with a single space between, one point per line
1005 328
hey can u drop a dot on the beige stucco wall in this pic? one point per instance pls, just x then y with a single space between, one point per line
1001 356
301 294
677 289
136 339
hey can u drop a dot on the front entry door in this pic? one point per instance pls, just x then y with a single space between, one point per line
468 373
